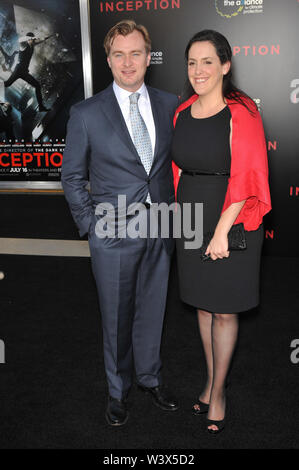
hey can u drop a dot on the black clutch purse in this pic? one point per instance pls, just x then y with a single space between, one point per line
236 241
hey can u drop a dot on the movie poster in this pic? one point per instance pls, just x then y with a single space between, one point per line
40 78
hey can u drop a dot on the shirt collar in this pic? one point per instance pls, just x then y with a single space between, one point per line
122 94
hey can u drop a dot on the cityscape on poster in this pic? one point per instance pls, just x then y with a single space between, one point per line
40 74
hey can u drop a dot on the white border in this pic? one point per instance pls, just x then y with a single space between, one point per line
86 47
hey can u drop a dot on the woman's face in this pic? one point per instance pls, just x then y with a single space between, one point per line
205 70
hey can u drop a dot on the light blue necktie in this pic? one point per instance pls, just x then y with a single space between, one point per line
141 137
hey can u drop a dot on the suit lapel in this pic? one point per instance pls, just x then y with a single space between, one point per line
110 107
157 120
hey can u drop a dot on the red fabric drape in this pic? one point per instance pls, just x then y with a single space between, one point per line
249 164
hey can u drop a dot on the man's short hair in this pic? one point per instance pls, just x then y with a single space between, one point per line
123 28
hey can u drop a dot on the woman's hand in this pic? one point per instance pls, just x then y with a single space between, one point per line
218 247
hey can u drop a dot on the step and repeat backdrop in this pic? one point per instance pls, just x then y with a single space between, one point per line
41 76
264 37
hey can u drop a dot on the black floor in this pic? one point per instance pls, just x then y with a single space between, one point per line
53 391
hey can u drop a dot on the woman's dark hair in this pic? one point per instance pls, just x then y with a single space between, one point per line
224 52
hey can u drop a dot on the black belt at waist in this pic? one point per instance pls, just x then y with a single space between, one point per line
208 173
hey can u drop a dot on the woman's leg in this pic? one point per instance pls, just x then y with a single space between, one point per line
205 329
224 337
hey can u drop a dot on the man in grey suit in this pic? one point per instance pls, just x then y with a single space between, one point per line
120 139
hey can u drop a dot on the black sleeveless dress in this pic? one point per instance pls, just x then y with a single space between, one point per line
228 285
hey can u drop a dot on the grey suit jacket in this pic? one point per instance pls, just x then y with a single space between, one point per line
99 148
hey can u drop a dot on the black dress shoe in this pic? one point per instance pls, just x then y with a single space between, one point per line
116 413
160 398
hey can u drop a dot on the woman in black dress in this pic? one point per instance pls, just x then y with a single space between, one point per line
219 149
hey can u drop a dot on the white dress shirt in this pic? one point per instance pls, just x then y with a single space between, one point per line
144 105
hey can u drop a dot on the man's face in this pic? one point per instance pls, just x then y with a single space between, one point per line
128 60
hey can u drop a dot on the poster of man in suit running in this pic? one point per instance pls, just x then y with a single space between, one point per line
40 78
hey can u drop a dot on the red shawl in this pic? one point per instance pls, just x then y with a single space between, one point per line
249 164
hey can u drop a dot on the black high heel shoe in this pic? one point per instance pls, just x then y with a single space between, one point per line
204 408
219 423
